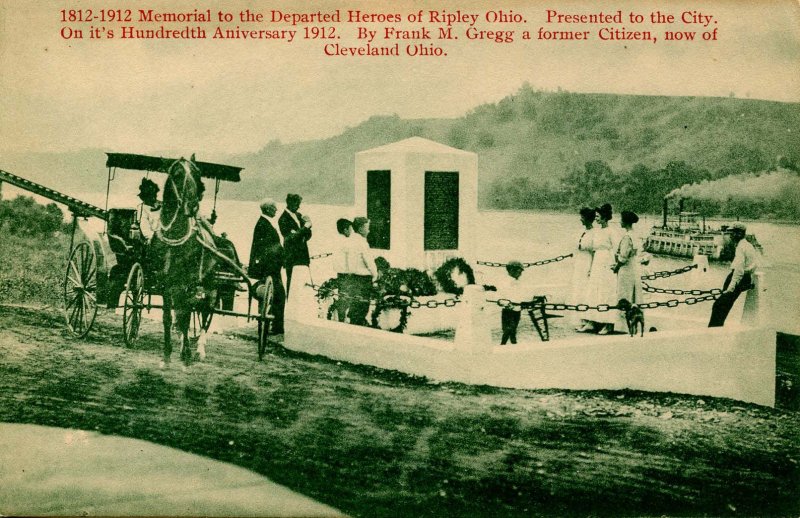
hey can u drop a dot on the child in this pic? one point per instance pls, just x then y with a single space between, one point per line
509 317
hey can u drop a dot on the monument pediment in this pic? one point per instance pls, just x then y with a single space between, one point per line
416 145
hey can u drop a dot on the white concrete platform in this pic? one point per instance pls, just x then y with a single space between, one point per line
736 361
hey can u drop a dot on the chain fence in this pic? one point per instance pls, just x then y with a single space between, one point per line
652 289
697 296
602 308
668 273
528 265
400 300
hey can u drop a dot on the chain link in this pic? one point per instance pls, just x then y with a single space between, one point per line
527 265
651 289
602 308
704 295
668 273
403 300
321 256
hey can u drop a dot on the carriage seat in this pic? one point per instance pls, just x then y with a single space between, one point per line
226 248
120 224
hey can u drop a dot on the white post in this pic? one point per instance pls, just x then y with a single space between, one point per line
699 274
755 312
473 331
301 304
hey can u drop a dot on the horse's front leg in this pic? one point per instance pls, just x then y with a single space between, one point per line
186 347
205 311
166 319
183 317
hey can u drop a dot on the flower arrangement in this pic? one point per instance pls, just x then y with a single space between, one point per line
451 268
395 289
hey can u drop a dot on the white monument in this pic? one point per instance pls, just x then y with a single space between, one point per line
422 200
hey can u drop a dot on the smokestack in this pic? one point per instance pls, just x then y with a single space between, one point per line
664 210
680 205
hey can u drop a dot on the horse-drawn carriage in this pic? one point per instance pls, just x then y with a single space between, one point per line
184 264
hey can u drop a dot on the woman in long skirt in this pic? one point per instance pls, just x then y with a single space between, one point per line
629 281
582 265
602 279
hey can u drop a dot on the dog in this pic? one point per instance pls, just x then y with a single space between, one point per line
633 316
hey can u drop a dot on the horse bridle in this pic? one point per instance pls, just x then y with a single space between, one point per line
182 206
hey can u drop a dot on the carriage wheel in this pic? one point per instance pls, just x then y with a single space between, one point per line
80 289
265 317
134 301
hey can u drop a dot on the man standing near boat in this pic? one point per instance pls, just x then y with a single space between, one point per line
740 279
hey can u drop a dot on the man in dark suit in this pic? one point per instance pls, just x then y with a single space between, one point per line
296 231
266 260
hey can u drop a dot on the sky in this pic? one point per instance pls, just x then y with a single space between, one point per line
228 97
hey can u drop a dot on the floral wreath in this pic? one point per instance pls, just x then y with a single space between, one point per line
444 275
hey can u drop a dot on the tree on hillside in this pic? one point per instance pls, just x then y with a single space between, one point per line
593 185
744 159
23 216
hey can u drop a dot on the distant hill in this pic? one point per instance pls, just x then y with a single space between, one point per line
543 136
532 138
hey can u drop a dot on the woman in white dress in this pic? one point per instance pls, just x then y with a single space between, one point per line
629 281
602 287
582 265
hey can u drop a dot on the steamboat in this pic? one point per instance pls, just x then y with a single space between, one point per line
685 234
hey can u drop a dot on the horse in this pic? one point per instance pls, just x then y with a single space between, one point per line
187 278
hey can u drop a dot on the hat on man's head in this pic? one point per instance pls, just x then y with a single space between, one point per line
296 198
148 188
359 222
739 227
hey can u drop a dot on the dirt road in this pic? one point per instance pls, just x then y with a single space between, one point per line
378 443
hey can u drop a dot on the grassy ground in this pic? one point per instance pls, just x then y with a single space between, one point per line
31 269
378 443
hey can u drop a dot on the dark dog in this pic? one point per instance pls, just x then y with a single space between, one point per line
633 316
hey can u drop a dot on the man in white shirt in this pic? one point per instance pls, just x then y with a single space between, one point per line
150 209
740 279
512 289
362 272
342 266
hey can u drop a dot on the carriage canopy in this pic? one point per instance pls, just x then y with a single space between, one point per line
218 172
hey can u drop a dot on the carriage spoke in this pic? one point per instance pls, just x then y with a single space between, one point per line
76 272
92 272
81 315
73 280
73 300
84 312
72 315
90 260
83 262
